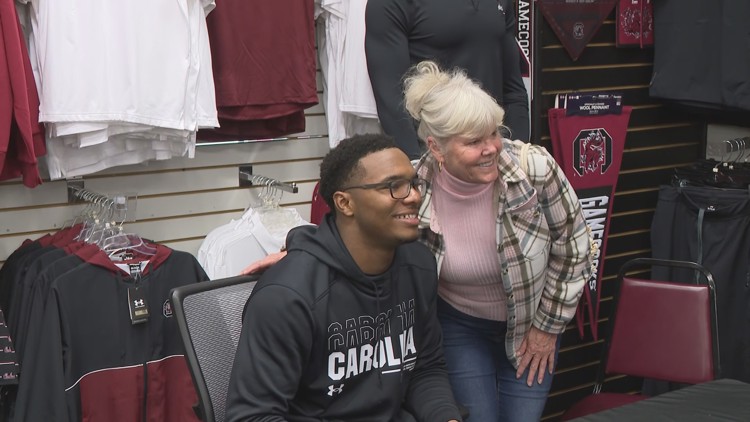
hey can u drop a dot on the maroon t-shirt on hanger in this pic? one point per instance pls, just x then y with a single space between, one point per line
263 59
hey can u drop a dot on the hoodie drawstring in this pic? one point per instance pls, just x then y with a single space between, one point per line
377 334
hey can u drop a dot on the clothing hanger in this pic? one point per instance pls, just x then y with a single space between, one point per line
100 227
274 217
117 241
728 172
93 223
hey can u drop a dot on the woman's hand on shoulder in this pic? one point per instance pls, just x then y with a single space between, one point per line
263 264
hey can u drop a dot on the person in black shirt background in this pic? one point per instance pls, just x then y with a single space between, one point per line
475 35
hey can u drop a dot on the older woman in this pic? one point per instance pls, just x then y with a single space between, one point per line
512 250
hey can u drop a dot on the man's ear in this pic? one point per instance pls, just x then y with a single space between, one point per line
343 203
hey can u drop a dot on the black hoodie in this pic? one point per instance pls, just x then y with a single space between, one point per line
322 341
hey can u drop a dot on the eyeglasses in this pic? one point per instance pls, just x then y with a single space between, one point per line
400 188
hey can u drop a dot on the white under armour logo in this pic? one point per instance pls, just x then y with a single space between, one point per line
138 303
335 390
500 8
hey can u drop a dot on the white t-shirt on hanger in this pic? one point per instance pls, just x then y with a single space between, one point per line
141 79
349 102
229 248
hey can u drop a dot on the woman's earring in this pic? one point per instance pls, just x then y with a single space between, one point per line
440 166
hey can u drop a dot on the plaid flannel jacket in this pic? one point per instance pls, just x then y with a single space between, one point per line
542 242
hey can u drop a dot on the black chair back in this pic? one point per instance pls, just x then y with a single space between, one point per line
209 316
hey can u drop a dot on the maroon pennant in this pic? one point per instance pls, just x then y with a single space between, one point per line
635 23
589 149
575 21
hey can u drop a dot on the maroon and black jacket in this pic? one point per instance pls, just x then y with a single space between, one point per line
90 362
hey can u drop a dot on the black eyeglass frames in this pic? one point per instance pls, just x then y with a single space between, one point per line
399 188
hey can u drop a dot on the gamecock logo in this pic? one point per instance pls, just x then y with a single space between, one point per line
633 24
592 151
578 30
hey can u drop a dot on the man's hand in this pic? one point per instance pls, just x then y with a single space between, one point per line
537 352
263 264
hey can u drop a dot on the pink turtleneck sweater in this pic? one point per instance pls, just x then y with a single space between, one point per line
470 276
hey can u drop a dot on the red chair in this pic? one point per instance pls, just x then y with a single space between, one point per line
319 208
660 330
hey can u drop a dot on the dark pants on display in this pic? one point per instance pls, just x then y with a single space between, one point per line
711 226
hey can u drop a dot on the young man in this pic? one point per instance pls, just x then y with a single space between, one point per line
344 327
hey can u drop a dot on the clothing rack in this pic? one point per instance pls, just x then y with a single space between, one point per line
252 141
118 205
733 153
737 144
247 178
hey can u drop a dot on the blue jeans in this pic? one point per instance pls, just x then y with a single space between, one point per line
481 376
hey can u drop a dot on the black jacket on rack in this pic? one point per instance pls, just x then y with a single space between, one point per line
82 355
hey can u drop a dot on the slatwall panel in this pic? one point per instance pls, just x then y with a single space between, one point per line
658 140
179 200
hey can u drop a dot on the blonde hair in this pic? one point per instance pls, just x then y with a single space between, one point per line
448 104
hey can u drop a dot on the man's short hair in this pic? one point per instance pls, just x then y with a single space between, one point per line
341 165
